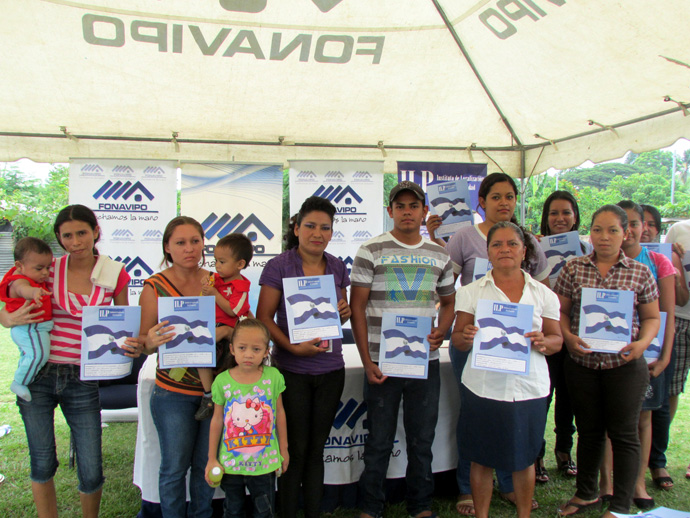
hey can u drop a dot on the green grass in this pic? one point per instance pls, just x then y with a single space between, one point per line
121 498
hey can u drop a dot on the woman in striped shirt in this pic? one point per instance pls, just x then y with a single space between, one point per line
178 392
72 288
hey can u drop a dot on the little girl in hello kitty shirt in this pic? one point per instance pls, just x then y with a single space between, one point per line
248 436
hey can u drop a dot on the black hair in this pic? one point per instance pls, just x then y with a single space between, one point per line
631 205
490 181
655 214
76 213
558 195
522 234
616 211
239 245
30 244
170 228
228 360
311 204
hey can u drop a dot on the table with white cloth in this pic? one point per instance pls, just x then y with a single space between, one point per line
344 451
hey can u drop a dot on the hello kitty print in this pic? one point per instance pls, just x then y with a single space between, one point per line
249 443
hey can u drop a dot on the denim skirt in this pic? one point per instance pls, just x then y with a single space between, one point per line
656 392
505 435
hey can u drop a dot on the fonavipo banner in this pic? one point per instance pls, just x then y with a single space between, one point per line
133 201
243 198
356 190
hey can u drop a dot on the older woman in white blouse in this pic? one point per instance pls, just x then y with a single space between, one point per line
502 415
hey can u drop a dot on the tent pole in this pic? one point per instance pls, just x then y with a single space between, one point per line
484 86
166 140
522 186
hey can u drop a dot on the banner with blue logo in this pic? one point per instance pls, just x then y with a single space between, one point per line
356 190
244 198
133 201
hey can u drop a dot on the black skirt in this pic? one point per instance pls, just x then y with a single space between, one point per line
504 435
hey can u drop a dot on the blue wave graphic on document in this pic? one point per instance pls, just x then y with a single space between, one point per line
194 332
454 207
495 333
101 340
398 343
304 308
557 259
654 347
598 318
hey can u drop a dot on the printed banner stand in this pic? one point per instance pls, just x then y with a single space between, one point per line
356 190
133 201
244 198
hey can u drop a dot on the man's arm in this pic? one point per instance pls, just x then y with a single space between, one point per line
446 314
359 297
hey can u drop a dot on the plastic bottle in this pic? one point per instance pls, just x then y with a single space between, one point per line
215 476
5 429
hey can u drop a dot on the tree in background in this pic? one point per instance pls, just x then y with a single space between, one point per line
598 176
643 178
31 205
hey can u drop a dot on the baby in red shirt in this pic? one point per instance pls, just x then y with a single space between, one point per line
232 253
26 280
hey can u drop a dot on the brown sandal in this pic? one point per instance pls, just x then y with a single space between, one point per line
465 507
566 466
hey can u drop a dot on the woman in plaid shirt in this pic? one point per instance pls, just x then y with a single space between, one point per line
607 388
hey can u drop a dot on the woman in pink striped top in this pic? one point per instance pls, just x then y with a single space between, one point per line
74 283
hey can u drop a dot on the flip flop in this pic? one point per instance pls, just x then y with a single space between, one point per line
465 507
579 508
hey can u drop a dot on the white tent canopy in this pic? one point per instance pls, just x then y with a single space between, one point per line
521 84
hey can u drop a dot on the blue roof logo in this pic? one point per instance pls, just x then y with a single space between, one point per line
124 190
215 226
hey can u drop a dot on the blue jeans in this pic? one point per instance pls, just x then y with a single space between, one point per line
60 384
184 444
420 408
261 490
462 473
